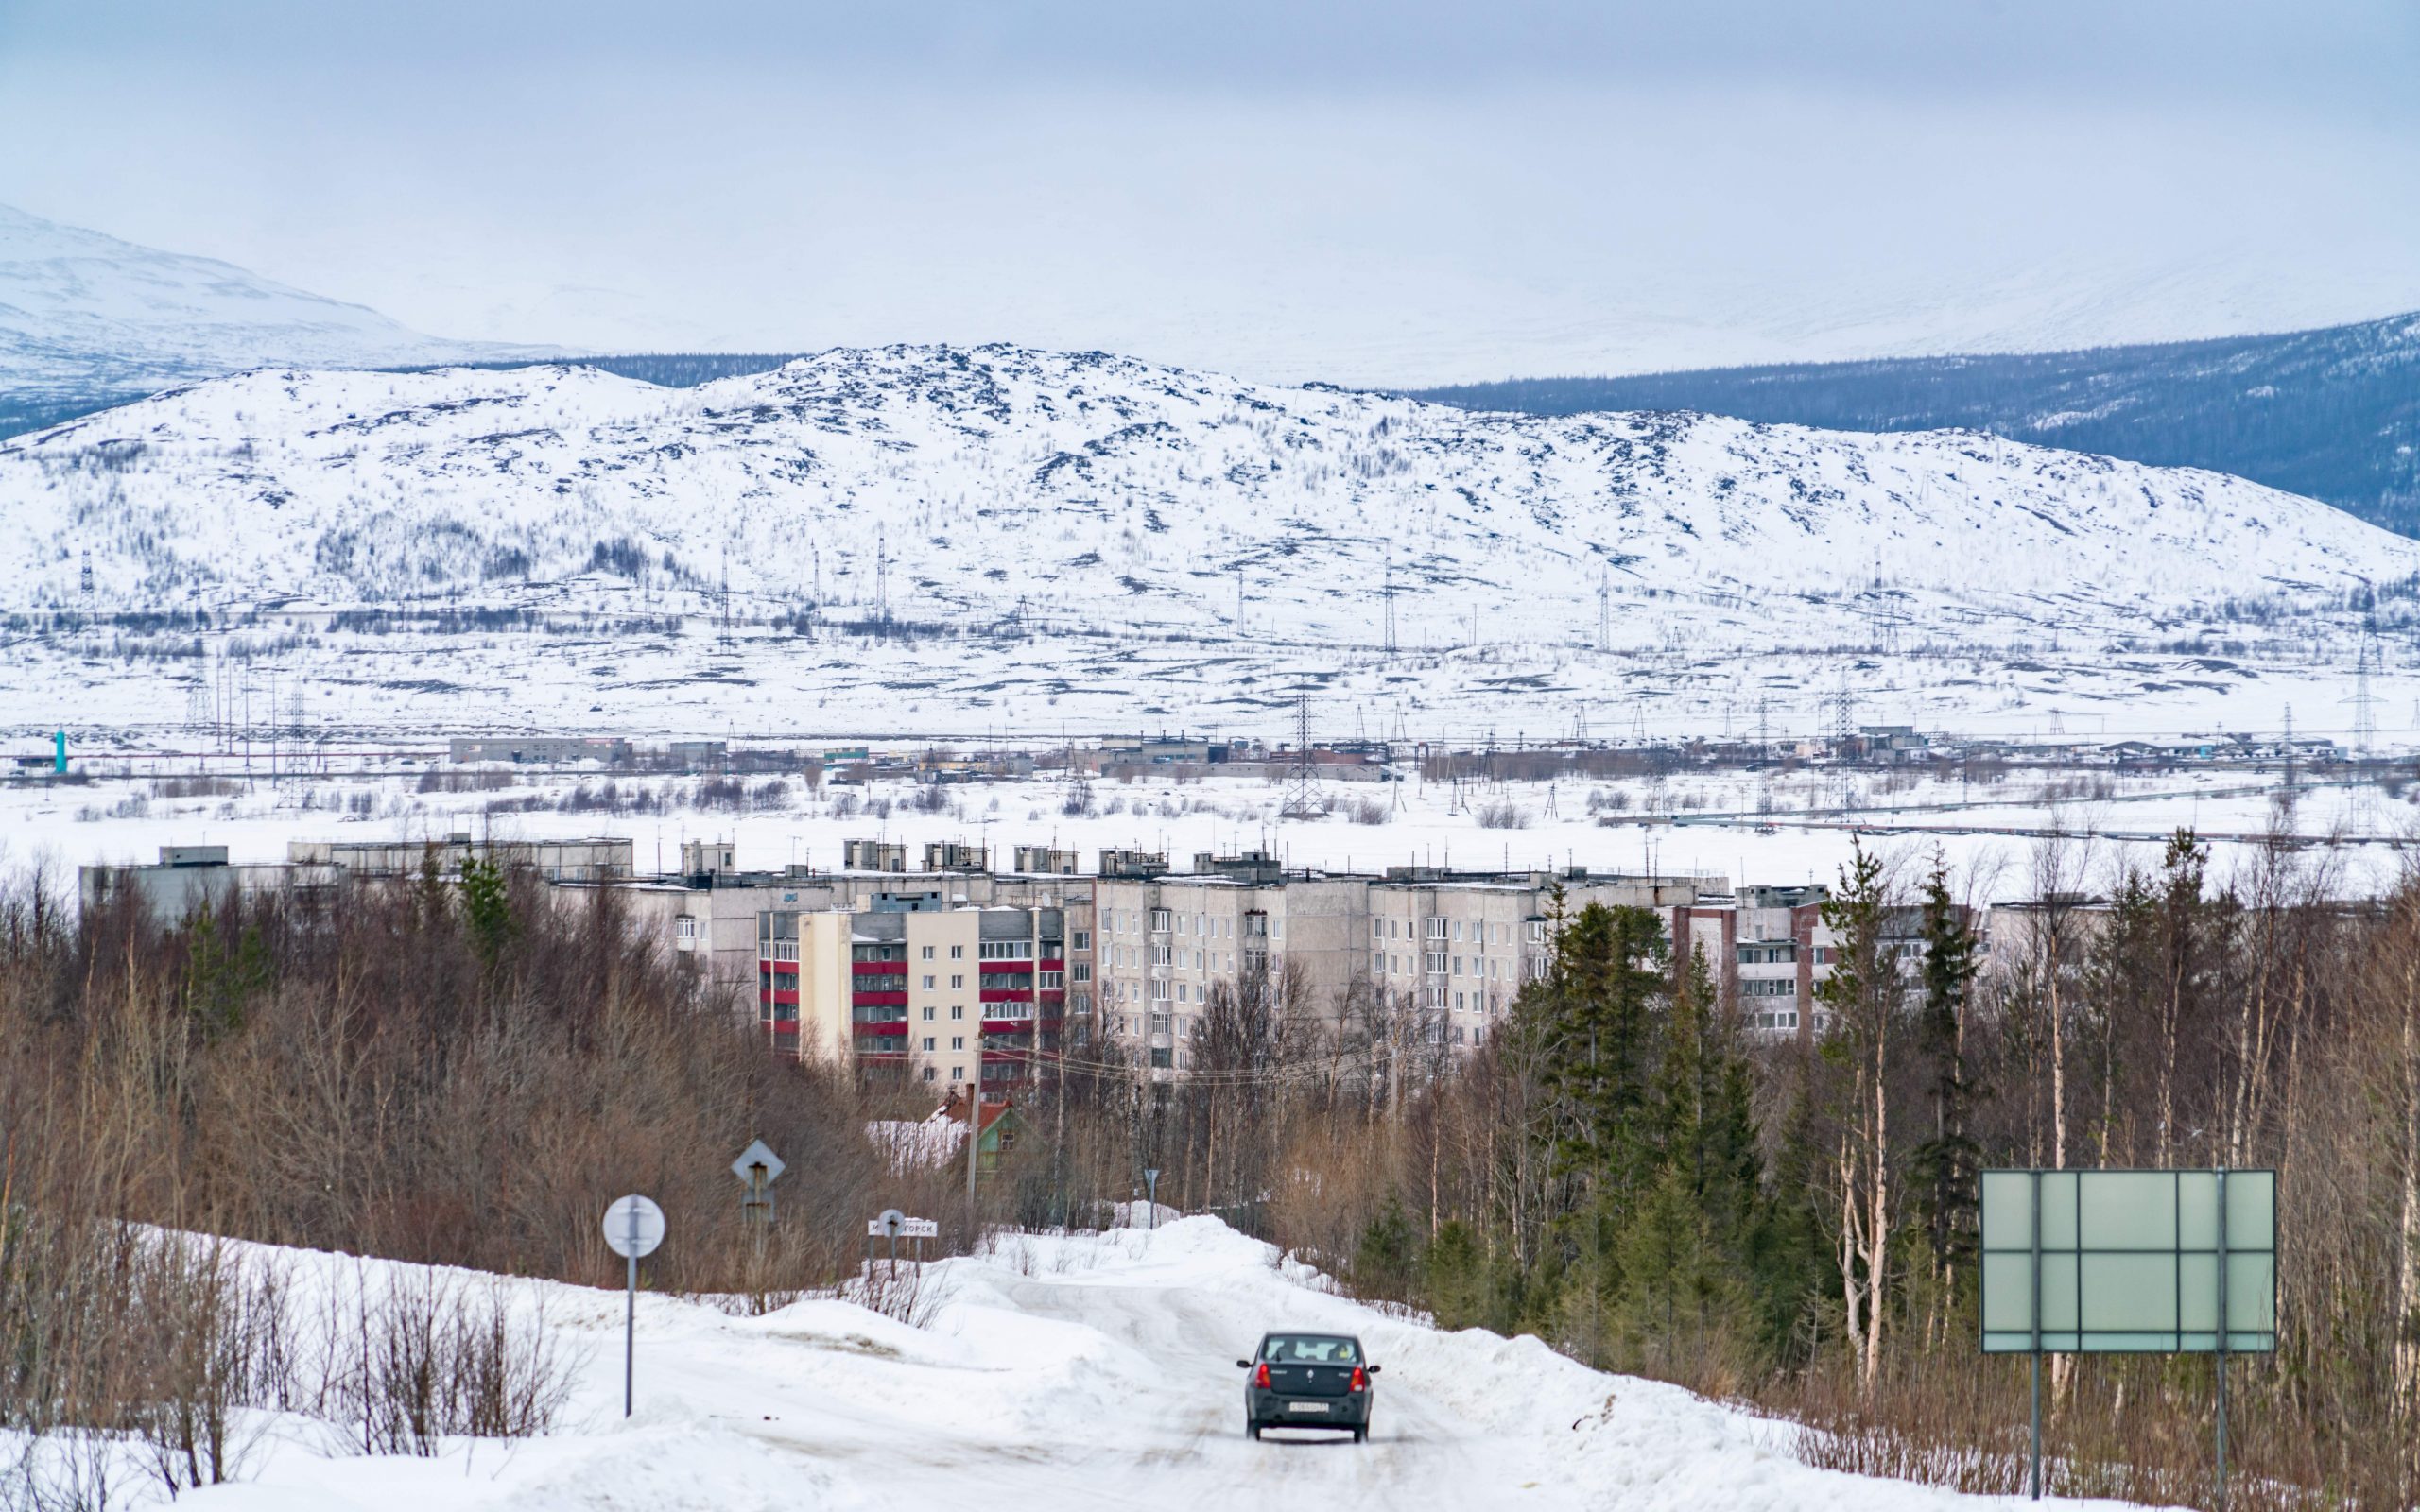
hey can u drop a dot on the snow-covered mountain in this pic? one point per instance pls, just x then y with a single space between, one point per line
1098 487
1087 498
84 317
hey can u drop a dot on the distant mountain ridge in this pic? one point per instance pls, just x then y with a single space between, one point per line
953 482
88 320
2330 414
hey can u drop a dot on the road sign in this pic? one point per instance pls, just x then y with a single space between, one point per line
889 1225
633 1226
2130 1263
757 1154
920 1229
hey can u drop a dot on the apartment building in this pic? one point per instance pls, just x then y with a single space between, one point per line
706 914
1454 946
1164 940
1458 946
942 993
188 879
589 859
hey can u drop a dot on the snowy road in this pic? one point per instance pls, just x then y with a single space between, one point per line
1065 1375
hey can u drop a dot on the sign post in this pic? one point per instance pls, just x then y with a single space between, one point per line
2172 1262
757 1168
634 1227
1152 1189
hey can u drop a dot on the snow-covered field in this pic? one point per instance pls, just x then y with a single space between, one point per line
1060 1373
1691 823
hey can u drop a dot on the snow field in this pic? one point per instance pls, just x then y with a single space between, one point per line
1985 838
1061 1373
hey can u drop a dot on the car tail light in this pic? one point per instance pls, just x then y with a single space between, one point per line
1360 1379
1260 1377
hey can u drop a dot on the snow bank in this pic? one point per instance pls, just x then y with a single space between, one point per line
1061 1372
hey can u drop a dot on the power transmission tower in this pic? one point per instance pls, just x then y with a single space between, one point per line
1302 782
1604 609
881 576
2364 702
1389 595
2290 753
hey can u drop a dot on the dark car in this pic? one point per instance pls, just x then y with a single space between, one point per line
1308 1380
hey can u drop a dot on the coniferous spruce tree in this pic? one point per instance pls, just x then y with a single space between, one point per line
1944 1166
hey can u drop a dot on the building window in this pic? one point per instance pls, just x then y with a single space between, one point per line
1084 939
928 981
958 1073
1004 950
1537 931
1163 1059
1083 971
958 1010
928 1041
957 981
928 1015
1159 920
1436 929
685 933
1050 979
957 953
958 1042
928 953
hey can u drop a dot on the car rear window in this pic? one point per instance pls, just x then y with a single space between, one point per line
1307 1350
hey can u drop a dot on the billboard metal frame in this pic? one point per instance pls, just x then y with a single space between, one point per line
2112 1299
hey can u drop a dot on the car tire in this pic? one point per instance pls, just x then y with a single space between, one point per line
1361 1434
1252 1431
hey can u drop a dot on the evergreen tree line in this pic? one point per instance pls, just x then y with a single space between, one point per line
1794 1222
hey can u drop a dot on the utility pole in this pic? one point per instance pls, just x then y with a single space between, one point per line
1604 609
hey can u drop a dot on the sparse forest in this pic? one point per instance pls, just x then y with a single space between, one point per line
468 1074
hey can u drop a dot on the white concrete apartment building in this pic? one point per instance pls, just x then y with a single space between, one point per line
1457 948
930 992
1161 942
1454 946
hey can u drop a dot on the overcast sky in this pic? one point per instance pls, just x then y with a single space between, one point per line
1375 191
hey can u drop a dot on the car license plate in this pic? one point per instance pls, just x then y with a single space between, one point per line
1310 1406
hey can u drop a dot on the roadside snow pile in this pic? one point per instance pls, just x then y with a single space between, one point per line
1059 1373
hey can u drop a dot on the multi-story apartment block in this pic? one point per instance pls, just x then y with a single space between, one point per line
555 860
1458 946
1454 948
1163 941
949 994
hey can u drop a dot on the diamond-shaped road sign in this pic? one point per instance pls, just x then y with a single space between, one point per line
758 1153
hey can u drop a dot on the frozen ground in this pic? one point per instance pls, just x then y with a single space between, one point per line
1062 1374
1691 823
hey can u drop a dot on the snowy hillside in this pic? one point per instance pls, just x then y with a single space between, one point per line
83 315
1052 517
1060 1373
1099 488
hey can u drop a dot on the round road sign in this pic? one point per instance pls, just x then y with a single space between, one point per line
633 1226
